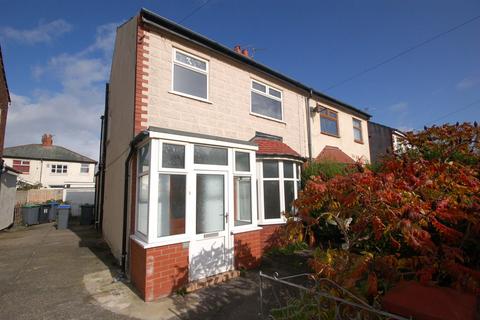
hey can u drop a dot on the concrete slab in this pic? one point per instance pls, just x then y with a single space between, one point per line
70 274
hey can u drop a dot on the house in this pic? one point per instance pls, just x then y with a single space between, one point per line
202 153
383 140
8 176
50 166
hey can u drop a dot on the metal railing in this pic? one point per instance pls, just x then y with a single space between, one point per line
302 296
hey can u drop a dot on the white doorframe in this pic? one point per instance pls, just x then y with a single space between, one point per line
212 252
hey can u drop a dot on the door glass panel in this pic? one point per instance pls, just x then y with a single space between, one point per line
271 199
171 204
210 203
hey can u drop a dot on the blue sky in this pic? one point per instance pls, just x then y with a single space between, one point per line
57 56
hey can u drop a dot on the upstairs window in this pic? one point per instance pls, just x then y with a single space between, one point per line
190 75
22 165
266 101
357 130
59 168
85 168
329 122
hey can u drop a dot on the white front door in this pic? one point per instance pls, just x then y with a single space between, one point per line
211 249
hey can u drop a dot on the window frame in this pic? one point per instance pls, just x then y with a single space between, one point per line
359 128
20 165
296 178
139 175
266 94
57 165
156 142
194 69
83 166
331 118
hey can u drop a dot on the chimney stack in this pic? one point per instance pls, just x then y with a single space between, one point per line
245 52
237 49
47 140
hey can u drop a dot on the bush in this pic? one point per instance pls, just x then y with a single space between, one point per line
324 169
417 217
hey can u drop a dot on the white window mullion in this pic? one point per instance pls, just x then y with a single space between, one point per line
153 195
190 206
253 169
282 187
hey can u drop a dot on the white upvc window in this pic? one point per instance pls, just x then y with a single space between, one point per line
189 75
279 183
59 168
168 191
266 101
143 190
85 168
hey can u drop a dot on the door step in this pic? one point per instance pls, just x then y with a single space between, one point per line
212 280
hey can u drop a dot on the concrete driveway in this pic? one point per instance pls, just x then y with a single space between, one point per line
69 274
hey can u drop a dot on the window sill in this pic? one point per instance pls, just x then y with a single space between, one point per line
358 141
160 243
237 230
272 221
267 118
330 134
189 96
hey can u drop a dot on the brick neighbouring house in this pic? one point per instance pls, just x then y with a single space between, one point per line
201 153
8 175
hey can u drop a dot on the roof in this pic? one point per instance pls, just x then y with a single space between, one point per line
40 152
269 147
165 24
2 67
331 153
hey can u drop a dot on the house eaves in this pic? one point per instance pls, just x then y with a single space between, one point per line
150 18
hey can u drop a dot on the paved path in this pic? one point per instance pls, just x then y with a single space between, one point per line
69 274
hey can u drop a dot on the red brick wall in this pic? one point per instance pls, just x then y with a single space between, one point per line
250 246
138 266
247 249
166 270
141 91
269 236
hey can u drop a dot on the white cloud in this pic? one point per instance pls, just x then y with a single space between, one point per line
71 114
467 83
42 33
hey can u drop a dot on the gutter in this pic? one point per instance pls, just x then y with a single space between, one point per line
103 156
133 148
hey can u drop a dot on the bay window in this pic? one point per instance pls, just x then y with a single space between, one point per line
143 166
279 188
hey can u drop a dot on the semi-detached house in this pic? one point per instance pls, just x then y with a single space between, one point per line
202 153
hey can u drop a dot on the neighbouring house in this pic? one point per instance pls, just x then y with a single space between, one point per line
202 149
50 166
383 140
8 176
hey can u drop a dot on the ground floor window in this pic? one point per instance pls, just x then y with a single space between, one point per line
279 181
194 190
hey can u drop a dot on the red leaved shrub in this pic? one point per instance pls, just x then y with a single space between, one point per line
417 217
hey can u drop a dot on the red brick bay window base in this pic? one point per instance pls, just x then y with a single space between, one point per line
158 272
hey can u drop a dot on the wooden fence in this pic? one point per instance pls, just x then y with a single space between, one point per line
38 195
